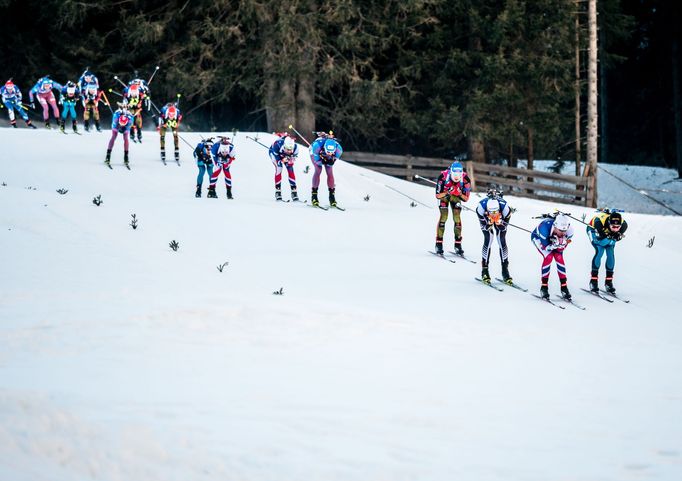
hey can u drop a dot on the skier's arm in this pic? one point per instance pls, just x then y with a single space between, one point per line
441 190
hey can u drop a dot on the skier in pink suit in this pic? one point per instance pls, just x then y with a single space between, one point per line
43 90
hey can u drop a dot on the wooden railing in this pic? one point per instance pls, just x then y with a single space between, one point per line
522 182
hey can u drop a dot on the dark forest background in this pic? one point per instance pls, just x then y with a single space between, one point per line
489 79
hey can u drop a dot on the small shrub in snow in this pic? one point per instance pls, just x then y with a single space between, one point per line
280 292
413 204
222 266
307 169
175 245
97 200
62 191
366 198
133 223
650 243
4 184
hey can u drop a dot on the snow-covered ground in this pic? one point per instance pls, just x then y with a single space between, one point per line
634 188
121 359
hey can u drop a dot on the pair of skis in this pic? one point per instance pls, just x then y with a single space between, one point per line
502 281
319 206
562 298
108 164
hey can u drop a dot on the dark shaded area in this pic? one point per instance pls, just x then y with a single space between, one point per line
417 77
641 124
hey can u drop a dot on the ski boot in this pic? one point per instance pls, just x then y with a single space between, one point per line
74 125
458 248
108 158
125 160
30 124
139 135
229 192
211 192
163 156
439 248
313 198
61 126
177 156
544 291
14 123
97 126
278 195
294 195
332 197
485 275
198 192
47 124
608 284
565 293
594 282
505 273
86 125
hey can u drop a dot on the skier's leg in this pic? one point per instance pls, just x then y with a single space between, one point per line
53 102
440 225
457 217
329 169
292 176
112 140
43 103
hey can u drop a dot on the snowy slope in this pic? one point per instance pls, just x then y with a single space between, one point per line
121 359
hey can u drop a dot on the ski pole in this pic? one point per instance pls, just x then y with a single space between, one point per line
416 176
411 198
581 221
190 145
115 92
107 102
153 73
119 81
155 107
299 134
256 141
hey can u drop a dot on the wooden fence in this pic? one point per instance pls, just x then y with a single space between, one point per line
510 180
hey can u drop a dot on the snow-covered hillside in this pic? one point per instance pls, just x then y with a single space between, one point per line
121 359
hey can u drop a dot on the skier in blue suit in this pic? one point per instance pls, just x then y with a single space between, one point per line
324 152
202 153
11 97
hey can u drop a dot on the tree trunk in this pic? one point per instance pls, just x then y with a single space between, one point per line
477 150
677 107
513 161
531 156
305 105
592 114
603 109
280 103
578 137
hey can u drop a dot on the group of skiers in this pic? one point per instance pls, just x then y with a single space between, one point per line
215 155
126 120
550 237
86 92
